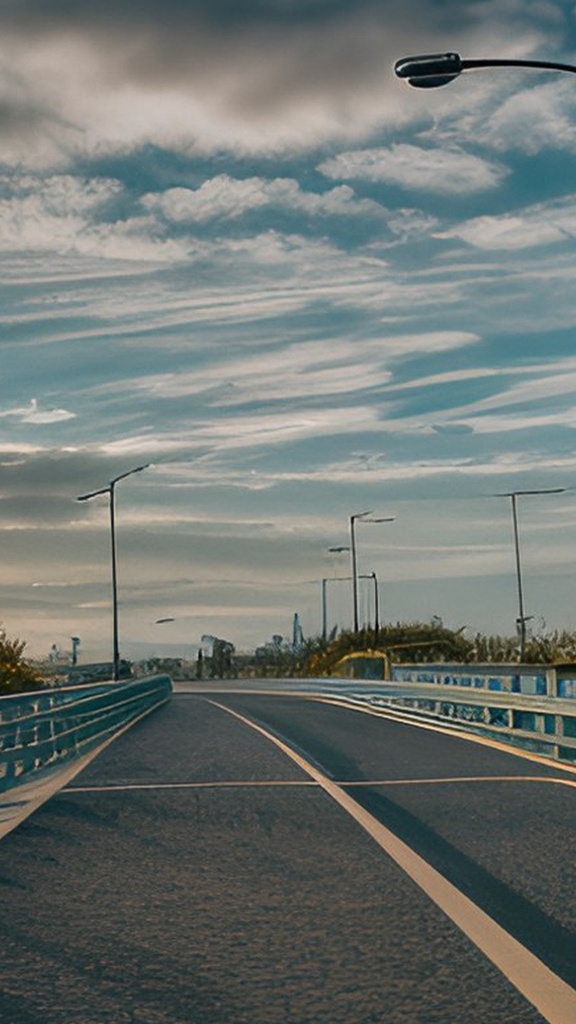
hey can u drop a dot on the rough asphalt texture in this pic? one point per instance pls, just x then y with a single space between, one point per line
266 904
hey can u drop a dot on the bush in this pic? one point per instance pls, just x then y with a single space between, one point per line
16 675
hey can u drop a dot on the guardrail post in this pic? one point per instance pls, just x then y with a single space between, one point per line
551 682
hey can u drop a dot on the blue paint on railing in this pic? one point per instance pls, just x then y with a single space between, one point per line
44 732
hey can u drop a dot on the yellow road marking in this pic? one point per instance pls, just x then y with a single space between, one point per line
295 783
229 784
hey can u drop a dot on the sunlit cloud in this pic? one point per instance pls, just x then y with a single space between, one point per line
439 170
539 225
224 196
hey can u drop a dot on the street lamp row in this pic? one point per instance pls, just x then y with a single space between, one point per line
360 517
334 579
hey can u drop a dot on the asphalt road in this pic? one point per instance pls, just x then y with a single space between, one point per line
193 874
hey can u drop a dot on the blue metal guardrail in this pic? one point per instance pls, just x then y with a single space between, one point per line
47 736
532 706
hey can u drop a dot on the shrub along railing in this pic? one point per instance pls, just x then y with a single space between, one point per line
532 706
48 736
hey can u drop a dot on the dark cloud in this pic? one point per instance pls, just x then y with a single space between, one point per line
59 476
72 13
150 41
293 72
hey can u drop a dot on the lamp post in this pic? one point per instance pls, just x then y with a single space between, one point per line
431 70
522 617
361 517
110 491
325 580
372 576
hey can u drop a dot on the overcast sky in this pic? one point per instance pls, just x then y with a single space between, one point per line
235 246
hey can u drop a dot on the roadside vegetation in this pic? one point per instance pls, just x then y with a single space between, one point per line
16 674
408 643
414 642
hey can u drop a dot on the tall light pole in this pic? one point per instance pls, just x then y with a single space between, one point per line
522 617
325 580
431 70
372 576
339 550
361 517
110 490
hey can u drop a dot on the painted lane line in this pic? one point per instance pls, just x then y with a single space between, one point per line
120 787
552 997
37 791
463 778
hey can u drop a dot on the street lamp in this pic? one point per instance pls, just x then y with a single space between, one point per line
522 617
431 70
372 576
325 580
361 517
110 490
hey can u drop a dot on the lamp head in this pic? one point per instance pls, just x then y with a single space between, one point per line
429 70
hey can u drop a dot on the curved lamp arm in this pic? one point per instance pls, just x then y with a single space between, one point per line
431 70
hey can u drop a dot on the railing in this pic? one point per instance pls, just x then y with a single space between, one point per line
47 736
532 706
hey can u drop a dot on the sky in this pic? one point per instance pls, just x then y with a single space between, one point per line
237 248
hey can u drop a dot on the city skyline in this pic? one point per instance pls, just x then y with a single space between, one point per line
235 247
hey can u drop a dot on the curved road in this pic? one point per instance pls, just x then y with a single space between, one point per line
263 859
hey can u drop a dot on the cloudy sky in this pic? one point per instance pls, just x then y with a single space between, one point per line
236 247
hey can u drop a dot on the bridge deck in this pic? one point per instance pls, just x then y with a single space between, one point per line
194 874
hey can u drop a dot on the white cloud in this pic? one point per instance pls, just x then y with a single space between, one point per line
258 431
506 232
322 370
527 119
224 196
63 214
40 417
541 224
441 170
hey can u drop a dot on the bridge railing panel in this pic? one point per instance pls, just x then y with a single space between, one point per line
46 733
532 706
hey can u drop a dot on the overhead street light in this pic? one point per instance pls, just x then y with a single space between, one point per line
431 70
428 71
325 580
372 576
110 491
522 617
360 517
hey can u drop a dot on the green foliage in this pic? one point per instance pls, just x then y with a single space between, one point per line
406 642
16 675
423 643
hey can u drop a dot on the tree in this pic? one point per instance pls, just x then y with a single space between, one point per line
16 675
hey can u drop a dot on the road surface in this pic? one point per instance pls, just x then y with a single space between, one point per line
196 873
